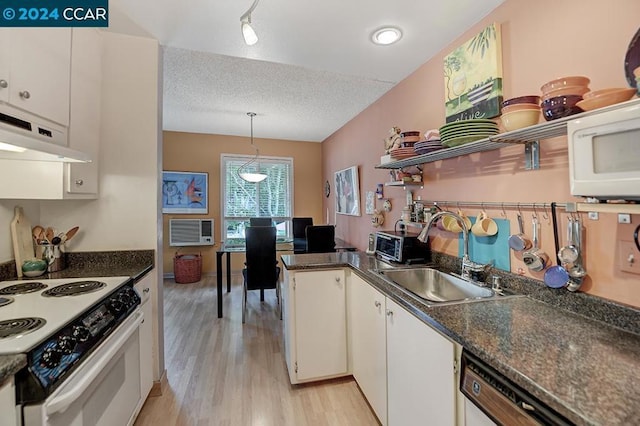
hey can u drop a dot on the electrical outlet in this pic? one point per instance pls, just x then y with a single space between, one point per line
629 257
624 218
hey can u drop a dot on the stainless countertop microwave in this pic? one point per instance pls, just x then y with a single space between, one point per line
604 154
400 247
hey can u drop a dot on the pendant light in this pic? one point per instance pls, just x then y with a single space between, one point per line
251 177
248 33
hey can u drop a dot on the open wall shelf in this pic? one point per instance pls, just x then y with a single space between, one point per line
526 136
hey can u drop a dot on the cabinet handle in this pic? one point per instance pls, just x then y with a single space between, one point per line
389 313
337 279
79 182
378 304
3 84
146 290
25 95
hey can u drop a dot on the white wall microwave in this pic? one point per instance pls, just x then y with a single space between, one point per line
604 154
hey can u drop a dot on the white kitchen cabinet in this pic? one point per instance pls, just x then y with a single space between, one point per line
41 180
368 343
420 371
9 416
84 127
35 67
143 287
315 324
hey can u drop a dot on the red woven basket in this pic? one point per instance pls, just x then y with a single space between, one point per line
187 268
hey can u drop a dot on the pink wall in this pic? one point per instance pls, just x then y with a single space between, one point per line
541 40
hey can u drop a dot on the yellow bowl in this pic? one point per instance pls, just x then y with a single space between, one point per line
519 119
605 97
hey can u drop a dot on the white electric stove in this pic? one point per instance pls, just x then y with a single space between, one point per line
72 331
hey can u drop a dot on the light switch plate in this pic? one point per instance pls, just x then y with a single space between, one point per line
629 257
624 218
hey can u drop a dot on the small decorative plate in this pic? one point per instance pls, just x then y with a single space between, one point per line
386 205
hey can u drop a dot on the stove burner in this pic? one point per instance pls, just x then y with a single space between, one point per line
23 288
17 326
5 301
74 288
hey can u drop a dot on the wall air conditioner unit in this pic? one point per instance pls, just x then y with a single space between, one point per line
191 232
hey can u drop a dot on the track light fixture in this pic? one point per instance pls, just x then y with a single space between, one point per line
248 33
247 176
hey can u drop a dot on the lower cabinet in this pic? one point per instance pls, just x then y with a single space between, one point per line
8 409
404 368
314 305
143 287
420 371
368 343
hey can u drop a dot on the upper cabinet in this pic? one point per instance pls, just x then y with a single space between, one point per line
35 66
44 180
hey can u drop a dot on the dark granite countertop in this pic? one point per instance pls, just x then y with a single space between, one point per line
131 263
10 365
584 368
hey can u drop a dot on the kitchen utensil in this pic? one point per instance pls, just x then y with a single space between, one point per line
71 232
54 258
22 240
574 284
519 242
535 259
577 270
48 234
569 253
56 240
556 276
36 232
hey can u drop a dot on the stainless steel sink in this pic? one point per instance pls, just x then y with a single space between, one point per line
435 286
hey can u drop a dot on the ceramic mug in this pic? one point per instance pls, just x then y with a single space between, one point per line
452 225
484 226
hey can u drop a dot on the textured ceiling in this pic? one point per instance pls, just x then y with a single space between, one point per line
312 70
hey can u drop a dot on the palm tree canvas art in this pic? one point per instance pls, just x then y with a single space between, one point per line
473 77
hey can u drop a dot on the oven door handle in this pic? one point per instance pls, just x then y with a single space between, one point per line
61 402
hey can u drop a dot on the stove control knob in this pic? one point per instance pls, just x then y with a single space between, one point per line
80 333
125 299
51 357
67 344
115 305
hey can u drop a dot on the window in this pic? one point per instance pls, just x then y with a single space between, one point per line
273 197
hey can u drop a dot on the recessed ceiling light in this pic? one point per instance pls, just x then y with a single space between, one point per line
386 35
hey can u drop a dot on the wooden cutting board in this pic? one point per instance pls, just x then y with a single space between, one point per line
21 238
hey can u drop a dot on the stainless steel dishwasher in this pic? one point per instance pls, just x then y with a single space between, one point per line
500 400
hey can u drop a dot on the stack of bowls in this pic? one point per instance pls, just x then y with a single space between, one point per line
560 96
523 111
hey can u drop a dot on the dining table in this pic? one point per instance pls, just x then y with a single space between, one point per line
282 245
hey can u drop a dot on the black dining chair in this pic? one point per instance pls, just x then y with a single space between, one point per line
321 238
299 225
260 221
261 267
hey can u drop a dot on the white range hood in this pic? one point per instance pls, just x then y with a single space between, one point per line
25 136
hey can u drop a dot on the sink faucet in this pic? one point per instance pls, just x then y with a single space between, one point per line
467 264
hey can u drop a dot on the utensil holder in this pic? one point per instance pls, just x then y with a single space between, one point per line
54 257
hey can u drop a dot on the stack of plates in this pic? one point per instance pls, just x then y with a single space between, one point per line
465 131
402 153
425 147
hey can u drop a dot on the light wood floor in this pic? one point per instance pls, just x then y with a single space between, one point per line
221 372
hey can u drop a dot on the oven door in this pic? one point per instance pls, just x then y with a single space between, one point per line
104 389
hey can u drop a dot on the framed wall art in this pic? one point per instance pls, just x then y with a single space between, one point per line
347 190
473 77
185 192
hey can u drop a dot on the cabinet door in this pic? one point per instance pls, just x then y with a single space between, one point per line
143 287
40 63
84 125
420 374
8 403
5 49
320 324
368 344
